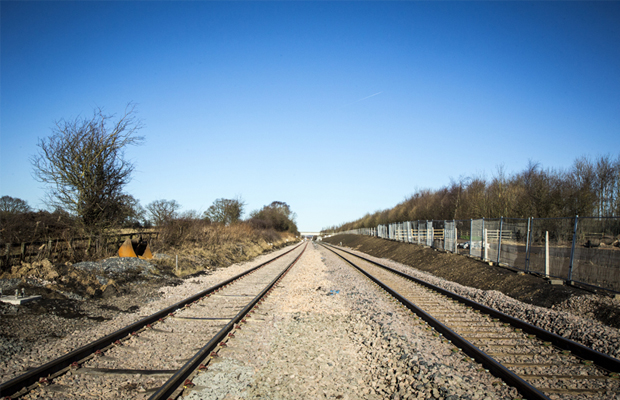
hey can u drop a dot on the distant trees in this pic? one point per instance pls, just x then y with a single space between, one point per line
33 226
225 211
19 223
83 165
13 205
277 215
162 211
130 213
587 188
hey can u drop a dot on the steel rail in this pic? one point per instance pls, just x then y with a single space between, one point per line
15 386
603 360
168 389
488 362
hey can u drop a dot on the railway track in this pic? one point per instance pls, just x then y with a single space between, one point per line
540 364
153 357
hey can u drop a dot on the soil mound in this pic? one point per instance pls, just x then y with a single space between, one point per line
466 271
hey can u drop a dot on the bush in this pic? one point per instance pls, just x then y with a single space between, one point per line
37 226
277 215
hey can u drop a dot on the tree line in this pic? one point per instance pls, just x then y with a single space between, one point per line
83 167
589 187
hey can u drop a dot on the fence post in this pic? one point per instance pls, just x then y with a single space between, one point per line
408 225
429 233
527 245
417 229
483 240
456 238
572 251
486 253
547 253
471 233
23 252
499 242
444 235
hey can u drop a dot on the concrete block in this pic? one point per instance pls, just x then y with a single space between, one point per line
559 282
18 300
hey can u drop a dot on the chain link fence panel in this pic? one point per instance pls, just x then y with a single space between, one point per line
596 259
491 238
463 235
449 236
550 246
476 238
514 244
583 250
438 235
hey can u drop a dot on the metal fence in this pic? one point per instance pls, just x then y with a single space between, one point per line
580 249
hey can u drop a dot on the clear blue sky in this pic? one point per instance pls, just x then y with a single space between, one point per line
336 108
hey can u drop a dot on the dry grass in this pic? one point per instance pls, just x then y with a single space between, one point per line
202 246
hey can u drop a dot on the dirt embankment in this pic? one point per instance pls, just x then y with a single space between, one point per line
527 288
76 296
112 276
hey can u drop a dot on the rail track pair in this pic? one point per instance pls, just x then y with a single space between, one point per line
180 323
536 362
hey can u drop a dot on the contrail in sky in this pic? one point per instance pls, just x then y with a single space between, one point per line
364 98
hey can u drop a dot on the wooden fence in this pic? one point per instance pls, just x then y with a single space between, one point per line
58 250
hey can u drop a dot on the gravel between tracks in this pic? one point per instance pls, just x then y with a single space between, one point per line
328 332
583 330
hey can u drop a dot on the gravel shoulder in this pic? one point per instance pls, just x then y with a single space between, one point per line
529 289
40 331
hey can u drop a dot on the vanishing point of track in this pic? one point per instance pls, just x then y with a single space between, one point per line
206 317
536 362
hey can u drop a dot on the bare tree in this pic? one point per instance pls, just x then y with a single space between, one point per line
83 164
13 205
225 211
190 215
162 211
131 213
582 185
604 185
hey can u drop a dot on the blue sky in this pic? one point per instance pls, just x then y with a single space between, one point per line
337 108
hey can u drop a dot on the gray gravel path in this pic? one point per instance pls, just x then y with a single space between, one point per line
327 332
